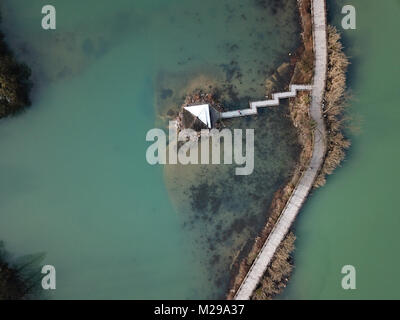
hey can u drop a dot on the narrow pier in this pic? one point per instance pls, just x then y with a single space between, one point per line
306 181
266 103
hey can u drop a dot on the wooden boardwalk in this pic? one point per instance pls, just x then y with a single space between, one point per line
265 103
306 181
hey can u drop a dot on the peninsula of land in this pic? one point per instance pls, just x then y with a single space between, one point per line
318 118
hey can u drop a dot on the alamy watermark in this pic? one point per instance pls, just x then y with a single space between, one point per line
49 280
349 20
204 147
49 20
349 280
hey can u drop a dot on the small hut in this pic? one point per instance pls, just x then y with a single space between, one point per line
198 117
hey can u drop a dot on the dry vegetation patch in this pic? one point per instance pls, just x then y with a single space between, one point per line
277 275
335 102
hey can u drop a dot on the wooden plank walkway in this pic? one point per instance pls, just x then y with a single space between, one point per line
266 103
306 181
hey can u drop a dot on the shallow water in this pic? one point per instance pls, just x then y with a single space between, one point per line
75 184
355 218
223 212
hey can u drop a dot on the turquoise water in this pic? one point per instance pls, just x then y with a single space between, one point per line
355 218
75 184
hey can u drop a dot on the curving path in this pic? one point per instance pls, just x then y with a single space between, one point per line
306 181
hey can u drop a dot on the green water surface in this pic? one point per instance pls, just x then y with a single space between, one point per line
74 181
355 218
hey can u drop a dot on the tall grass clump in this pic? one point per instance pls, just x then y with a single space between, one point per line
277 275
335 102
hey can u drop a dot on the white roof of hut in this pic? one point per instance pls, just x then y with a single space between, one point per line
202 112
